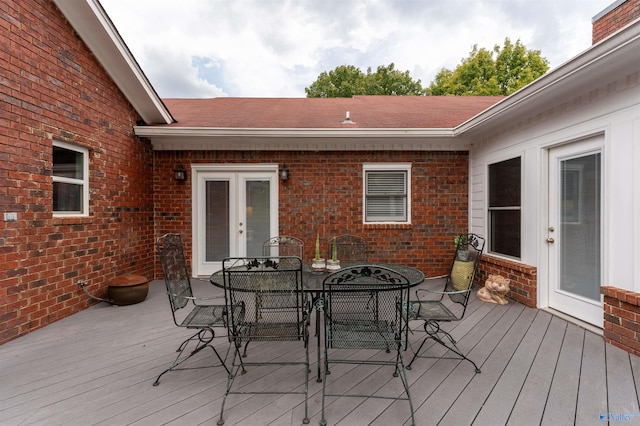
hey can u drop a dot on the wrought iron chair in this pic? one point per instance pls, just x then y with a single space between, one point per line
288 248
450 303
283 245
350 249
249 282
202 316
361 312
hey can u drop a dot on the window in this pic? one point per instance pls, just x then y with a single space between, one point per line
386 193
70 180
504 207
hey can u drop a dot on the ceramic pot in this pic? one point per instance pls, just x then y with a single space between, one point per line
318 265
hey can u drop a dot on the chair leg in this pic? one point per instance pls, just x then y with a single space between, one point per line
433 330
232 375
306 420
204 338
405 383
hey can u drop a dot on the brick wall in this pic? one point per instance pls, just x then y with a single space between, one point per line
622 318
324 194
51 87
524 278
616 19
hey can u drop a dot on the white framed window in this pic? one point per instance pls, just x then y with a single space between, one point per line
70 180
387 192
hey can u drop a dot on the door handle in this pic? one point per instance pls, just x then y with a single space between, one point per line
550 240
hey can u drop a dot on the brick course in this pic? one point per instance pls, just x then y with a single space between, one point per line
52 87
622 318
616 19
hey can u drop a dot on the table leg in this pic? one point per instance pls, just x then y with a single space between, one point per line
319 379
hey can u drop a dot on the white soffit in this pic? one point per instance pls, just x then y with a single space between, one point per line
269 139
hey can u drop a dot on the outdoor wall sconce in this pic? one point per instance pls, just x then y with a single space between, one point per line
179 173
284 172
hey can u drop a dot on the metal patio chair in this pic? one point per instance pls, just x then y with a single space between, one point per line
202 316
361 312
448 304
288 248
350 249
283 245
250 282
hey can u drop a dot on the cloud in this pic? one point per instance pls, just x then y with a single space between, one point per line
276 48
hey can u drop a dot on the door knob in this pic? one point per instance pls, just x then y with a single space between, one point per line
550 240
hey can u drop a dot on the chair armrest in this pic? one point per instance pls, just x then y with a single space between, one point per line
436 277
195 299
438 292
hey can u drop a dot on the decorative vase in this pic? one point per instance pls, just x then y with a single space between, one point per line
318 265
333 265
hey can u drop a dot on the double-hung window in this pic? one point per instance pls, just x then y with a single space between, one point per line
387 190
70 180
504 207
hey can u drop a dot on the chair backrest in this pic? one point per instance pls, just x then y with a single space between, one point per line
361 306
269 291
174 268
464 267
350 248
283 245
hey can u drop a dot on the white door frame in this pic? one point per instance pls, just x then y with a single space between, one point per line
593 311
198 173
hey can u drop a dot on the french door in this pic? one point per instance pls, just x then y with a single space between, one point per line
235 211
575 229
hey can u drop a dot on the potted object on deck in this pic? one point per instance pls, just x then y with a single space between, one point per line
318 264
333 264
462 265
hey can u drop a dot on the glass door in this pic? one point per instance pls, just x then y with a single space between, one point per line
235 212
575 231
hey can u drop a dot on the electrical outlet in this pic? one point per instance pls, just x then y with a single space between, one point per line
10 217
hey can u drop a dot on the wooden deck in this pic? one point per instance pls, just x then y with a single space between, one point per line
98 366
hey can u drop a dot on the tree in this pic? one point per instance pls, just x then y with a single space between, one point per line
346 81
480 74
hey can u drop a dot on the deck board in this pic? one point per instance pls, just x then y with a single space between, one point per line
97 368
532 398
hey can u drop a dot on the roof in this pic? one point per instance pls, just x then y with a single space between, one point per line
366 112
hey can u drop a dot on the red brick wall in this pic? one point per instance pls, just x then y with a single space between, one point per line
616 19
524 278
324 194
51 86
622 318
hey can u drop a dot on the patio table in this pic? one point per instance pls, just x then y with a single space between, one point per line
312 284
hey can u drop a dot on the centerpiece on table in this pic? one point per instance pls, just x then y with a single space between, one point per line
318 264
333 264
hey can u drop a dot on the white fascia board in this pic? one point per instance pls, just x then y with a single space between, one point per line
91 22
179 139
207 132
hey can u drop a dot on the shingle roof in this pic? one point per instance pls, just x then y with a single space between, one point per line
388 112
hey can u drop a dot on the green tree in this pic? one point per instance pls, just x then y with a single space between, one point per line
491 73
343 82
346 81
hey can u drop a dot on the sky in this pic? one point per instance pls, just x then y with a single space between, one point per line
276 48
